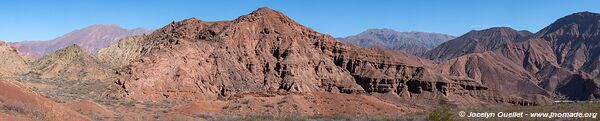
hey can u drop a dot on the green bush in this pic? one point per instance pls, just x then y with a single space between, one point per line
440 114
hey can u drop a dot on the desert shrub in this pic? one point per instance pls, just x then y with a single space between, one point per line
30 112
245 102
127 103
15 107
440 114
281 102
259 118
42 116
203 116
269 106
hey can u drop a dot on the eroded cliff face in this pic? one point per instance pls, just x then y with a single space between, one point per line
265 51
416 82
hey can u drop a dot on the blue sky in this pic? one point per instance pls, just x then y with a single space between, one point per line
43 20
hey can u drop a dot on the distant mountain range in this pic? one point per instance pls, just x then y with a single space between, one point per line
92 39
410 42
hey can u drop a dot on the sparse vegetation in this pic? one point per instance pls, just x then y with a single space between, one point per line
269 106
33 114
440 114
42 116
246 102
310 118
18 108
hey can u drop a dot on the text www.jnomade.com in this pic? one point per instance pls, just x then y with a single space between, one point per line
532 115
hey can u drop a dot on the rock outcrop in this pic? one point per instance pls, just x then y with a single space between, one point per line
123 52
71 63
265 51
92 39
11 63
410 42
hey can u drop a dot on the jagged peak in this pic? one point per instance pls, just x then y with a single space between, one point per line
193 19
185 22
264 12
73 48
582 19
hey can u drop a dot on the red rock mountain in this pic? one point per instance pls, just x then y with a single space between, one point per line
559 59
91 38
267 52
410 42
476 41
575 41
